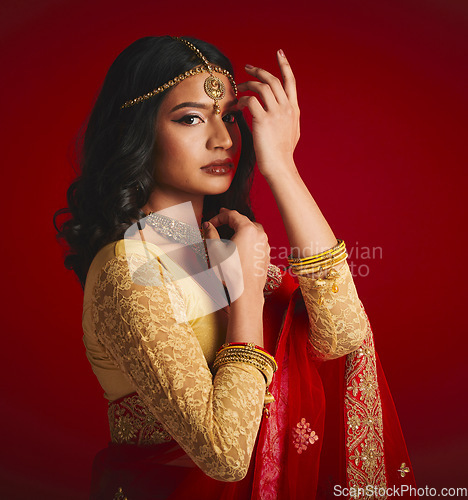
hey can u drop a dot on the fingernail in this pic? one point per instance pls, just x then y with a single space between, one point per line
281 53
248 66
206 225
222 208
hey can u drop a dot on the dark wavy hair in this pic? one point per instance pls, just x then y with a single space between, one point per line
116 168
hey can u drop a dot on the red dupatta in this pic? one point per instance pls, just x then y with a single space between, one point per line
333 429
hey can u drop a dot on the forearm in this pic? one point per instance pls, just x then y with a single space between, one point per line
246 318
307 229
338 322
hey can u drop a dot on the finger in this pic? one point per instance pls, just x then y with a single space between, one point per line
214 246
263 90
227 216
230 217
274 83
210 232
252 104
289 79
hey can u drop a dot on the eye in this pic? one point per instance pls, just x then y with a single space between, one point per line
190 120
231 117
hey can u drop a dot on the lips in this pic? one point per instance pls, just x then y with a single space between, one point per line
220 163
219 167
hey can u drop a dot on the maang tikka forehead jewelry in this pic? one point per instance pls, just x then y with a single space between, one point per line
213 86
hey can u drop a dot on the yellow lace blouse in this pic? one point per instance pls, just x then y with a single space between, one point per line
139 338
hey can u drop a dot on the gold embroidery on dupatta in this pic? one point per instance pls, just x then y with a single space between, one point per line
131 423
403 470
364 437
303 435
120 495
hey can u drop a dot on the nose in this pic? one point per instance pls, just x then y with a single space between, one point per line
219 136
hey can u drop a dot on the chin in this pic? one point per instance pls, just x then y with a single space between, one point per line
217 186
214 191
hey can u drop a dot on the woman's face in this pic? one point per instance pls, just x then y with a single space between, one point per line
196 150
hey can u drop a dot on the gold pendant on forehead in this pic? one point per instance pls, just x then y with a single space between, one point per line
215 89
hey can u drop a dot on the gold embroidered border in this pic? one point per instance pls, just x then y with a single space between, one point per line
364 426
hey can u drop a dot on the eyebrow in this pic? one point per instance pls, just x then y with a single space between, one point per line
199 105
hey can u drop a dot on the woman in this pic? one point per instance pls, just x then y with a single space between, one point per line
194 409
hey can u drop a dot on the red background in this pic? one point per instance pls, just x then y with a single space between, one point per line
382 88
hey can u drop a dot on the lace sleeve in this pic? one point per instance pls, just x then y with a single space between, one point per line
338 322
139 319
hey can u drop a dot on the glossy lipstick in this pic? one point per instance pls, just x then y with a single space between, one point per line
219 167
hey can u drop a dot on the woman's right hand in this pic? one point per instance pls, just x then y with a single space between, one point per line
252 245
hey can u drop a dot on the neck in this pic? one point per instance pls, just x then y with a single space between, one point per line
162 201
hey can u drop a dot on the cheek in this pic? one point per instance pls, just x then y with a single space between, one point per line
172 150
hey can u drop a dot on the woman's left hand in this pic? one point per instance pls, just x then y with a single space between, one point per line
275 120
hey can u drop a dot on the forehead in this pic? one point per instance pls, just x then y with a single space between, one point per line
192 89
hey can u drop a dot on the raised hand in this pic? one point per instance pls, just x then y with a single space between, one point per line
275 117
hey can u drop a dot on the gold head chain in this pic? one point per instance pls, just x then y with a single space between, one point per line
214 87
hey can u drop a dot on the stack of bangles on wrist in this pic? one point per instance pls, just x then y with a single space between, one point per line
252 354
321 262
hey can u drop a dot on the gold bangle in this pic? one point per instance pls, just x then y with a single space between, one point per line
312 258
315 258
264 363
238 354
322 263
261 354
250 348
322 267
